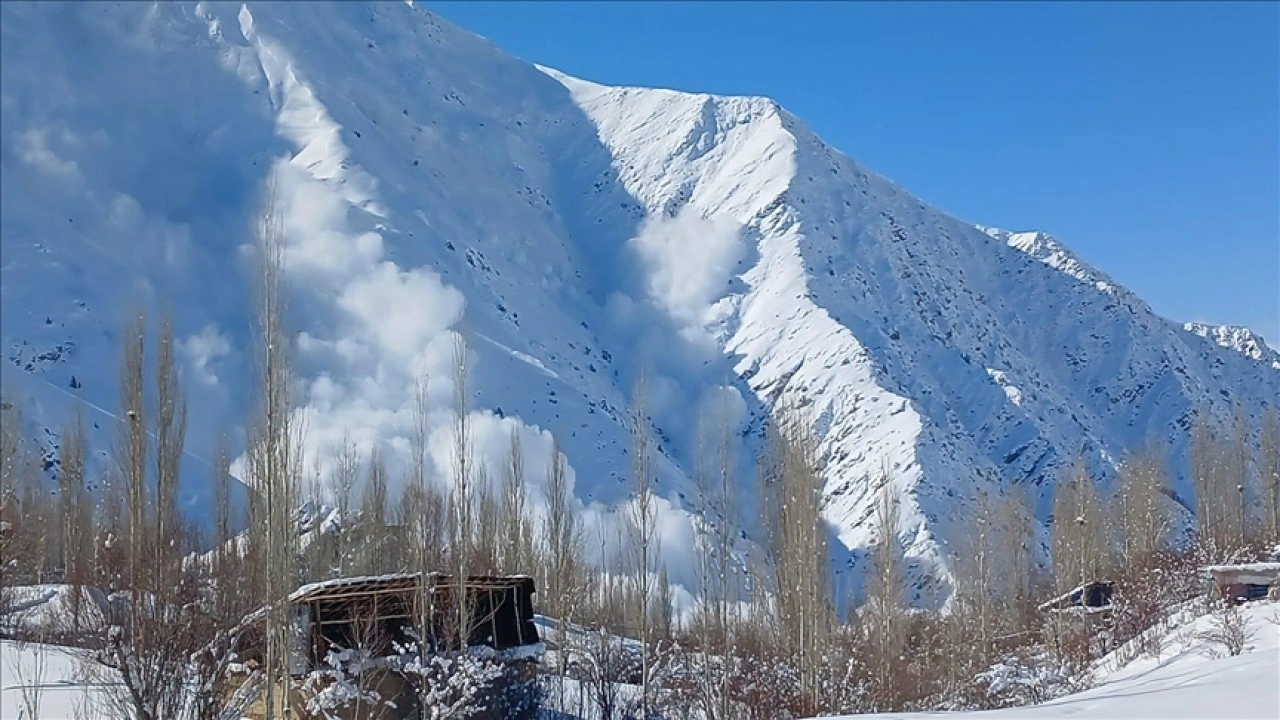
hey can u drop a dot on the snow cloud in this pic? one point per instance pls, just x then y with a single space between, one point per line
202 350
680 294
33 147
688 261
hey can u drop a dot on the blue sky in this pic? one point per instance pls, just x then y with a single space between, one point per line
1146 136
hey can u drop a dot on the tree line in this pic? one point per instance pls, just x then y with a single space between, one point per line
762 639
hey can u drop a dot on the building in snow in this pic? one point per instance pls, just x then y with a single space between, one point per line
1244 582
1089 598
378 619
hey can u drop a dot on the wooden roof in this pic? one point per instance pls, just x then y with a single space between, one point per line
342 588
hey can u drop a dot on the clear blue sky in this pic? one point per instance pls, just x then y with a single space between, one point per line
1146 136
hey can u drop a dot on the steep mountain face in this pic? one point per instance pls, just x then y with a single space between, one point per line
431 185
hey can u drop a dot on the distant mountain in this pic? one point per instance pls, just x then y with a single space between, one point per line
575 233
1241 339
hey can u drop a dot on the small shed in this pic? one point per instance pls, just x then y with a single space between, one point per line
376 612
1244 582
381 614
1090 597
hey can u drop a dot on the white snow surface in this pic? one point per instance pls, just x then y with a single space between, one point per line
1191 679
68 688
432 184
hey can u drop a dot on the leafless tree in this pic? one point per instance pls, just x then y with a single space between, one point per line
560 549
663 607
561 540
274 449
13 464
642 527
884 619
374 554
487 542
1078 530
170 435
717 528
517 531
1269 470
346 471
131 450
1015 555
76 517
1236 474
797 547
222 526
461 496
1144 520
1210 470
976 580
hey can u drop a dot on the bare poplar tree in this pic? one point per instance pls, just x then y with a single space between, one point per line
976 572
884 620
1213 517
12 466
487 542
170 436
1269 470
274 450
714 468
75 514
373 518
462 492
1238 475
425 519
1015 557
663 610
222 502
1144 520
560 548
517 535
1078 530
642 520
561 539
798 548
346 471
131 450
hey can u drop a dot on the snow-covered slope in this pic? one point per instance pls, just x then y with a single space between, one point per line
1241 339
1193 679
575 233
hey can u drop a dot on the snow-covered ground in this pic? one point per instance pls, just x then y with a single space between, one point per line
66 689
1192 679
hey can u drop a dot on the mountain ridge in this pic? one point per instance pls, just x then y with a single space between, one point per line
576 233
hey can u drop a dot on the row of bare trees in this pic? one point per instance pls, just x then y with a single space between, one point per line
785 634
763 637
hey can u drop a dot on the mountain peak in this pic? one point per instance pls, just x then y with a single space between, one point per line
1238 338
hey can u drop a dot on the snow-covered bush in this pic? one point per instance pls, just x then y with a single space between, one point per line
465 684
347 681
1025 679
1229 628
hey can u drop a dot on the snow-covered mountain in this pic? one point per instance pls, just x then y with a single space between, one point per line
432 184
1241 339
